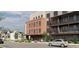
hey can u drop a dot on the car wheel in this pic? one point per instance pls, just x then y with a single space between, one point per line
2 42
50 44
62 45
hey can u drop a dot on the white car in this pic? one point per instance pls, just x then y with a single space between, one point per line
59 42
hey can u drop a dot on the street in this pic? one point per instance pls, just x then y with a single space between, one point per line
12 44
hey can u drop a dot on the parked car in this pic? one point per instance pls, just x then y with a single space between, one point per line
1 41
59 42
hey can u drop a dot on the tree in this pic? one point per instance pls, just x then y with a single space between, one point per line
16 35
47 37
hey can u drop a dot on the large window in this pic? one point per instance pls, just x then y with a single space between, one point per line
64 29
55 13
77 17
48 15
65 19
71 18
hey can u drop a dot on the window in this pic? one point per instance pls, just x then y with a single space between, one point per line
71 18
39 30
65 19
38 17
55 13
48 15
29 31
64 12
29 25
41 16
39 23
33 17
34 24
34 30
77 17
74 26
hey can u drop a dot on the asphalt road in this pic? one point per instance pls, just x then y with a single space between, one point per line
11 44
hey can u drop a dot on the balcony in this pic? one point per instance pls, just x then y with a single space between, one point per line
65 30
64 19
64 33
64 23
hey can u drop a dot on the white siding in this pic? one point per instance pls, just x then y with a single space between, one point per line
39 13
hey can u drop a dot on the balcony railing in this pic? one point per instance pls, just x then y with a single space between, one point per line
55 30
62 33
63 22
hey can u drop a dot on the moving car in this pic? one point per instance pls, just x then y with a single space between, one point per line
59 42
1 41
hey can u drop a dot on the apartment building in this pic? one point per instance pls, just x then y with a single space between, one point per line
64 24
37 24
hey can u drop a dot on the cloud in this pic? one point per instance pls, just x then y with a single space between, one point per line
8 20
13 19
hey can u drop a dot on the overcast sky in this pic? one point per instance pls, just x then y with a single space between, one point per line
14 19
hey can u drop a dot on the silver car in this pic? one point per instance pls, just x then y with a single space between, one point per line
59 42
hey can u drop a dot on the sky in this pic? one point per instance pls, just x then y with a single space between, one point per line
14 19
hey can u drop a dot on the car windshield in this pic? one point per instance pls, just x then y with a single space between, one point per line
57 40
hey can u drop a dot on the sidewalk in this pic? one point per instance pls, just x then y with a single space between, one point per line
48 43
1 45
73 44
42 42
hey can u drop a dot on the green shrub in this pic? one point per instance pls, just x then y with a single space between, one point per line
70 41
46 37
17 40
22 40
26 41
75 41
29 41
